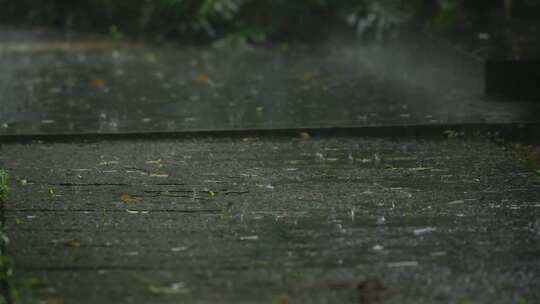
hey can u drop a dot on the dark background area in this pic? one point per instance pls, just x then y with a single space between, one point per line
502 28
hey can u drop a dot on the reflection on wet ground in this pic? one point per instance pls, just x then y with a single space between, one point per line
51 86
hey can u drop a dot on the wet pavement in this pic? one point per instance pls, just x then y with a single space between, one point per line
288 220
302 219
53 84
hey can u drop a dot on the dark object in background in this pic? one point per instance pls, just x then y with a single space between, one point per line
513 80
372 291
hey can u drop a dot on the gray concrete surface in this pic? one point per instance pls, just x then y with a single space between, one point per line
284 220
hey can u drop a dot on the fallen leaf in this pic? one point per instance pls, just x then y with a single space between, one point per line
126 198
305 135
309 76
284 299
73 243
97 83
202 78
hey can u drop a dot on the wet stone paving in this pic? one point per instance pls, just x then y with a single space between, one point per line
272 220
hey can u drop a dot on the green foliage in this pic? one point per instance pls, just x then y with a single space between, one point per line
202 15
447 16
4 189
6 264
379 18
6 268
6 272
248 20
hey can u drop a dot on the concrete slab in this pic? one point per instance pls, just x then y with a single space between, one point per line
322 220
